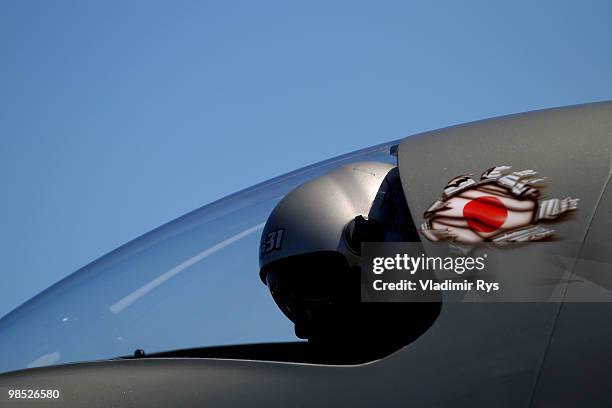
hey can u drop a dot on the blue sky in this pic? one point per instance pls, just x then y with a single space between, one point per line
116 117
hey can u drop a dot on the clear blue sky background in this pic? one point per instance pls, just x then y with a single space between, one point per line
116 117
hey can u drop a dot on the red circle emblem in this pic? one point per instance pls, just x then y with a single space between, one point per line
485 214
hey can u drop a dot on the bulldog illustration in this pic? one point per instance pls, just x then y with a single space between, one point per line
503 207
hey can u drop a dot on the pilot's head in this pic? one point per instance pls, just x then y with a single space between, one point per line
310 255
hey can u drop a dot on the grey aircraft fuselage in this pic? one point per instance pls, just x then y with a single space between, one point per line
546 354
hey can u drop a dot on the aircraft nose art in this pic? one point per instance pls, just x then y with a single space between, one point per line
522 179
505 173
502 207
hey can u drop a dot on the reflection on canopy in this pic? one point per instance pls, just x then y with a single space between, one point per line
143 290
